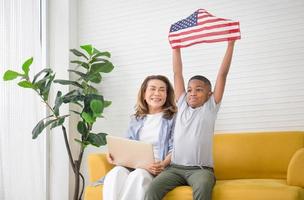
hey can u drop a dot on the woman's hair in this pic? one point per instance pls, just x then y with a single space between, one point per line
141 107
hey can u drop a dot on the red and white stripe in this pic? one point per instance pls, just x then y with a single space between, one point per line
208 30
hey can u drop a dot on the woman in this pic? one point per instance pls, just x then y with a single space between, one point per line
152 122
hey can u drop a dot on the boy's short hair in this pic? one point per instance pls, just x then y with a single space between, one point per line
201 78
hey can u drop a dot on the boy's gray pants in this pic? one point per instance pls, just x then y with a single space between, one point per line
201 180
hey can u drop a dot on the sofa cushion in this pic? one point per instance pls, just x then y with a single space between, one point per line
249 189
255 155
93 192
179 193
256 189
98 166
295 173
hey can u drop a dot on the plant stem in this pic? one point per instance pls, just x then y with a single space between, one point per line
78 164
76 187
83 183
47 104
75 165
68 148
80 156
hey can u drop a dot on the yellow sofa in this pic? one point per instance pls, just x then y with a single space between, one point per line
248 166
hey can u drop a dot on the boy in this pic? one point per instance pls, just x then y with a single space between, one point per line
192 162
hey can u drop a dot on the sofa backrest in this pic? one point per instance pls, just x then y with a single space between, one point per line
255 155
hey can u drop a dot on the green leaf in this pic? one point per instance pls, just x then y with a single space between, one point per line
97 139
72 92
98 53
46 89
78 53
58 122
43 85
78 73
88 48
100 57
41 125
95 78
26 84
79 141
26 65
67 82
90 89
88 99
87 118
50 122
93 60
10 75
97 107
82 128
46 70
83 64
107 103
73 97
83 143
38 129
58 102
105 67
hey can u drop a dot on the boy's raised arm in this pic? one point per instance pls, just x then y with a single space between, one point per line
179 85
223 72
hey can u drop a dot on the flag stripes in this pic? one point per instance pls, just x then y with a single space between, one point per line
202 27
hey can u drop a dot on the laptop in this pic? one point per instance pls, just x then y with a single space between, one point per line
130 153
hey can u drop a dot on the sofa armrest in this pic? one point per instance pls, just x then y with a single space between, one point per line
98 166
295 175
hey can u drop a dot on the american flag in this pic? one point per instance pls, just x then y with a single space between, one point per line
201 27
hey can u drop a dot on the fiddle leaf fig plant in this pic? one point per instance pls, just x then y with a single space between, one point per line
90 66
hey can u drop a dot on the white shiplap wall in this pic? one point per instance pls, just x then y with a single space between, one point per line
265 88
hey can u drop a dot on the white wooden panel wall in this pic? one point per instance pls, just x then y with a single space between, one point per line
265 87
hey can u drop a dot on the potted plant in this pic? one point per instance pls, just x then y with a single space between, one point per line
90 66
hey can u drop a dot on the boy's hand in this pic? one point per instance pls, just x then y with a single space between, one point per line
231 42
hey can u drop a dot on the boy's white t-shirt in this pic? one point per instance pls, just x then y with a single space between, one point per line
193 133
150 131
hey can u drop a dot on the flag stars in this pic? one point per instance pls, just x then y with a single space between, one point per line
185 23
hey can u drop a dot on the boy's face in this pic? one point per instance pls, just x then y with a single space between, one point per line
198 93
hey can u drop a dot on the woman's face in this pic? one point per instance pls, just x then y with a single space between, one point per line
155 95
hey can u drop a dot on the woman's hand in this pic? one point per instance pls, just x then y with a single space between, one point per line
156 168
110 159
